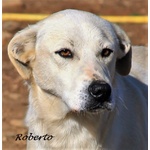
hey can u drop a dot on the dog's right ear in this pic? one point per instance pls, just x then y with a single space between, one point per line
21 51
123 63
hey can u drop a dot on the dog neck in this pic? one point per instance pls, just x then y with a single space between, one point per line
48 115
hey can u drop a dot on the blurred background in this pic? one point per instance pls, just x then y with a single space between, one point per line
15 94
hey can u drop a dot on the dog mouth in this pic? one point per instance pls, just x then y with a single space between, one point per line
100 106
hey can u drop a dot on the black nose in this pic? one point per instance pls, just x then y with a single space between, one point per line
100 90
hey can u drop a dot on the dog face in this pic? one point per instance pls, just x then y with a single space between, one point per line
74 56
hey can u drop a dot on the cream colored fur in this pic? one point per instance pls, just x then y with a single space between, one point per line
58 86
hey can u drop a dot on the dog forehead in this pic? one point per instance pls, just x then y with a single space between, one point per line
69 21
75 26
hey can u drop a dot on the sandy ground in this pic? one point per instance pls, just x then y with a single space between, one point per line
15 94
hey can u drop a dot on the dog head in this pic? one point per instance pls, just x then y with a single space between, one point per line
73 55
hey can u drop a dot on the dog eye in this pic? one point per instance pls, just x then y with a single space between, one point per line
106 52
65 53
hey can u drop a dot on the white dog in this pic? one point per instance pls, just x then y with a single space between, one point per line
75 64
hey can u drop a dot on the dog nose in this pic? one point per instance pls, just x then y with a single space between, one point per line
100 90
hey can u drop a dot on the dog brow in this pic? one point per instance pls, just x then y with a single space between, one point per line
71 42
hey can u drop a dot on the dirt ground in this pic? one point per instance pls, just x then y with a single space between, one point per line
15 94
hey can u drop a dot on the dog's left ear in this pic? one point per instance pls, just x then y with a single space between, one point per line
21 51
123 63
